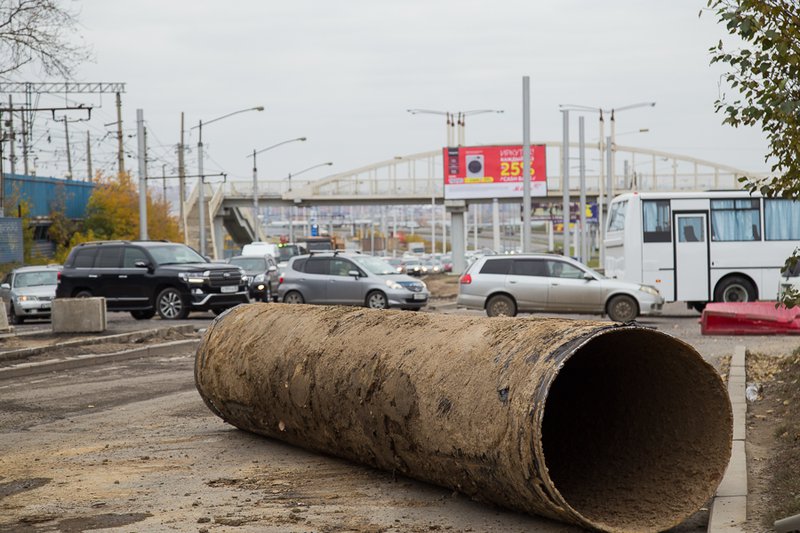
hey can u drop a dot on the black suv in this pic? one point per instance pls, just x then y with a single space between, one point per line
145 277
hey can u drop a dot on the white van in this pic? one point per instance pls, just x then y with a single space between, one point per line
260 248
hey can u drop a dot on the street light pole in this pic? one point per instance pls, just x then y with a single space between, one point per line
451 121
603 188
255 173
291 213
201 192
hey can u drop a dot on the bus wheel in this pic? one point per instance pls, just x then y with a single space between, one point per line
622 308
735 289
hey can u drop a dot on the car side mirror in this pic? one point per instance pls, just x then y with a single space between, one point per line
354 273
588 277
5 286
272 268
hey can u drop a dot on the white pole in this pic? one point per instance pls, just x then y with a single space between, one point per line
526 165
565 181
600 199
201 194
142 175
496 224
584 249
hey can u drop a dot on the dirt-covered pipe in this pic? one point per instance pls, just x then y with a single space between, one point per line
611 427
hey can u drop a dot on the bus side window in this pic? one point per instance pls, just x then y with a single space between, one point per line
656 225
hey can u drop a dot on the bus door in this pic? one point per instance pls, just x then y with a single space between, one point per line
691 256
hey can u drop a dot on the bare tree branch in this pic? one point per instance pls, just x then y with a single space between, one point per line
39 32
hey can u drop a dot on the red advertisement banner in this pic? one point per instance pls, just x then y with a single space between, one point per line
492 172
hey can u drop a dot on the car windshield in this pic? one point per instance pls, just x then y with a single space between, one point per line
35 279
375 265
287 252
175 254
250 265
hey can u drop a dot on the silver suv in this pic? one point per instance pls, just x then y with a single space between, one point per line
506 284
341 278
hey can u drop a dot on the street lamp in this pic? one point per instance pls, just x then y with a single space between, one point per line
291 228
566 108
255 173
201 193
452 118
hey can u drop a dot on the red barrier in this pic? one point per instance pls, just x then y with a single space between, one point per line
749 318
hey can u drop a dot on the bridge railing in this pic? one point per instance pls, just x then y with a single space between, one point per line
419 176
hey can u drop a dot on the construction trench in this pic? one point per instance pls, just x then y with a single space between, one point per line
611 427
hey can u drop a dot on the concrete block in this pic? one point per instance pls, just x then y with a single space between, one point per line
4 327
739 353
79 315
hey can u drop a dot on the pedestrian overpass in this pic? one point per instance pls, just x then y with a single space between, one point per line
417 179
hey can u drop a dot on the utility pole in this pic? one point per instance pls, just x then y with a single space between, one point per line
69 152
182 184
2 181
163 183
526 164
25 143
11 157
88 157
120 148
140 136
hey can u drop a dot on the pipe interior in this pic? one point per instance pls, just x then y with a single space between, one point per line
636 431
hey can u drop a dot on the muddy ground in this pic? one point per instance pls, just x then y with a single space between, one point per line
773 440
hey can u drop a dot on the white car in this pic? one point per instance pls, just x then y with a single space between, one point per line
28 292
504 285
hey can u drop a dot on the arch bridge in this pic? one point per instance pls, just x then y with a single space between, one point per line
417 179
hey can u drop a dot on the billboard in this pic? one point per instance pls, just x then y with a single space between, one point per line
491 172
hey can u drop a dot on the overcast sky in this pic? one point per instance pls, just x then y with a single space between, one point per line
343 73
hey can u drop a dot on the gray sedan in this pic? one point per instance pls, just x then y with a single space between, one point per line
27 292
338 278
505 285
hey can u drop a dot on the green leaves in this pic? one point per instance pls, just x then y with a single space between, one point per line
765 72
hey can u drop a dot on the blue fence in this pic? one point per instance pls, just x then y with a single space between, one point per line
47 194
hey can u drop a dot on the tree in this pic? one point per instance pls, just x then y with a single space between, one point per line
765 72
113 213
38 31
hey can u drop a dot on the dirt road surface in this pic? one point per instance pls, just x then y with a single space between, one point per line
132 447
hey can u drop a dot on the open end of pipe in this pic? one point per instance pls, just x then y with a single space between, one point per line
636 431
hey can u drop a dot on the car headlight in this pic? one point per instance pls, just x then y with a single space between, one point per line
26 298
649 290
260 278
393 285
191 277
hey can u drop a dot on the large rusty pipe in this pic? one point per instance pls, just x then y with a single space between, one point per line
611 427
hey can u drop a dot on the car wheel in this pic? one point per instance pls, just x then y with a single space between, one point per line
144 314
377 300
735 289
13 317
293 297
501 305
622 308
171 305
82 294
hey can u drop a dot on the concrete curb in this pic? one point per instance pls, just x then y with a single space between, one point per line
13 355
80 361
729 508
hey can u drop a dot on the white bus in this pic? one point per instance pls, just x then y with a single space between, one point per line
699 247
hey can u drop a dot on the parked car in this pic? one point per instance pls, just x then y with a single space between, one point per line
27 292
504 285
149 277
412 267
261 276
397 263
340 278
